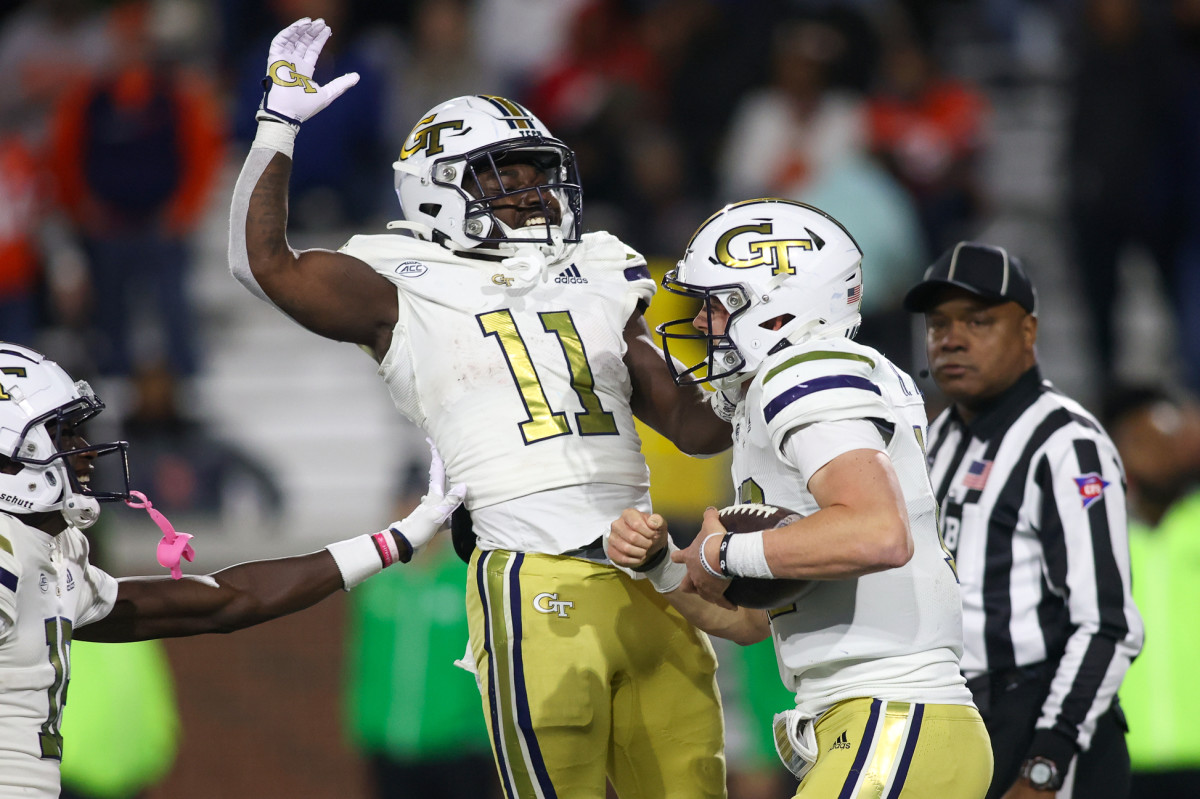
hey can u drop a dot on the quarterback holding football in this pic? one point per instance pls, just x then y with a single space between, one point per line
828 449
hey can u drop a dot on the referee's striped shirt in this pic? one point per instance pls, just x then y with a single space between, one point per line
1032 497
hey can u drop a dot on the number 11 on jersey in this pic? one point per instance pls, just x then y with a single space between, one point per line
544 422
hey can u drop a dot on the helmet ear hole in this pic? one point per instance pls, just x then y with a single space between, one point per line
430 209
777 322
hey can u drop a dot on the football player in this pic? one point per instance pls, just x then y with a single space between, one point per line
50 594
832 430
518 344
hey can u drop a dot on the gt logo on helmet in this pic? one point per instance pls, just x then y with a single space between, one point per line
428 138
775 253
15 371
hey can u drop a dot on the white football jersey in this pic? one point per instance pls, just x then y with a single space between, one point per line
896 634
522 387
47 589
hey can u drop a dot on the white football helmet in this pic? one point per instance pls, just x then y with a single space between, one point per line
38 402
764 260
440 166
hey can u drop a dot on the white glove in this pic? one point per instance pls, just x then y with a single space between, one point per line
289 94
418 527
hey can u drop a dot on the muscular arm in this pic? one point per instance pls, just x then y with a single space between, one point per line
862 526
680 413
330 293
228 600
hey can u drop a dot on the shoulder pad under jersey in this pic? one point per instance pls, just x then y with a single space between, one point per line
823 380
602 253
385 252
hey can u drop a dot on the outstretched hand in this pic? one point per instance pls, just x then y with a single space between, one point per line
423 523
289 93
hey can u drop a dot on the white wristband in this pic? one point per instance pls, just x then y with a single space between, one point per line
276 136
359 558
667 575
746 557
704 559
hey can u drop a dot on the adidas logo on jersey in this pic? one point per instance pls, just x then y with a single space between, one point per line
841 742
570 275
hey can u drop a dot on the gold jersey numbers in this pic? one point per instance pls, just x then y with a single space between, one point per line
543 421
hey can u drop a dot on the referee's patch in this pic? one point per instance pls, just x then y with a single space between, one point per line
1091 487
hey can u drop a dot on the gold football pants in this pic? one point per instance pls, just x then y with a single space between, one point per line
872 749
584 673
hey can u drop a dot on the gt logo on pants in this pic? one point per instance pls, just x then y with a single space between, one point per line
550 603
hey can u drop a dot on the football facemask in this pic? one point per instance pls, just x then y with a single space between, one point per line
460 165
40 411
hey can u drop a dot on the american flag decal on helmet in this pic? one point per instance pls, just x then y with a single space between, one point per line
854 294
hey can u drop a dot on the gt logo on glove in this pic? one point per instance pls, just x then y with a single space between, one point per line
289 93
297 78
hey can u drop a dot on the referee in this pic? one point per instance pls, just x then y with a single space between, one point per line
1032 499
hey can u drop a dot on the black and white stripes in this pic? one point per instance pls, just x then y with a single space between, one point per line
1032 499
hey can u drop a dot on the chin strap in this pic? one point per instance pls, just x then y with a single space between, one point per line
173 546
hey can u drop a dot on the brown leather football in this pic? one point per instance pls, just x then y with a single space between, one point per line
753 592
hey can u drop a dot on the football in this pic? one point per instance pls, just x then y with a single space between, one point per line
753 592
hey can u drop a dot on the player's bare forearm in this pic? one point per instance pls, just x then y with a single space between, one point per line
332 294
680 413
266 225
743 626
231 599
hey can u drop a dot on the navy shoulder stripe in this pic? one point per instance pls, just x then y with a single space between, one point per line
8 579
775 406
633 273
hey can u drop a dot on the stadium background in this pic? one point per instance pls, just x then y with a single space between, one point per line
261 710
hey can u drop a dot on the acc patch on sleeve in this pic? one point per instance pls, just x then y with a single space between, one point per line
1091 487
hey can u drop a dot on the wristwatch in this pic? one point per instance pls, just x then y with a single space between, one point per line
1042 773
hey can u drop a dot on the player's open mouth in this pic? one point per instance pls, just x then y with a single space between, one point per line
536 220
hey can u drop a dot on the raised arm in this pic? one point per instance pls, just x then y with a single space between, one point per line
681 413
330 293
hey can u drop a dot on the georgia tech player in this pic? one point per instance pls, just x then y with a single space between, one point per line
833 430
518 344
50 594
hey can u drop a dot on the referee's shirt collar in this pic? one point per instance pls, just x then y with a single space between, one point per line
997 415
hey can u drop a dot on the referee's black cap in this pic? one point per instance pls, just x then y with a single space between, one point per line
990 272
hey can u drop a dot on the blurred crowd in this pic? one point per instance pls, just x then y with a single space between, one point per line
117 117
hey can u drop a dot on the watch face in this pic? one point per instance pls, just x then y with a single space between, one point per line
1040 773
